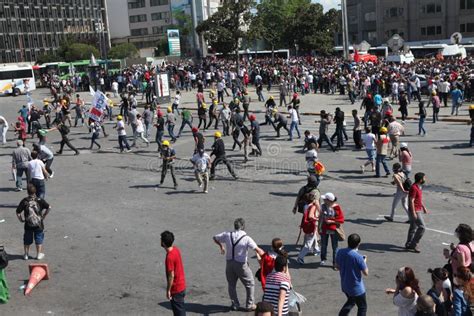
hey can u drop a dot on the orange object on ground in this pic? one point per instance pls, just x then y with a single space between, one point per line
38 272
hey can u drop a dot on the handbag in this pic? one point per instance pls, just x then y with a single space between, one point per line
3 258
341 235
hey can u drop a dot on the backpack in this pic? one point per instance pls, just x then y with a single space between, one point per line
33 219
302 202
319 168
308 226
407 184
3 258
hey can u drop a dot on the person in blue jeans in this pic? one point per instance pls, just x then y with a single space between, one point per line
332 217
457 98
294 121
422 117
352 265
382 151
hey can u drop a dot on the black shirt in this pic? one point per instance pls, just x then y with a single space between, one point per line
218 148
160 124
199 139
24 207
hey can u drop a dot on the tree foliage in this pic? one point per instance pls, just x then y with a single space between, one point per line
79 51
48 58
228 26
124 50
184 23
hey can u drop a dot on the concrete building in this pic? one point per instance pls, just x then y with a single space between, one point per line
415 20
31 28
144 22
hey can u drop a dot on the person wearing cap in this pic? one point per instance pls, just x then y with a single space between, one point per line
213 114
202 115
160 129
395 130
255 129
235 245
3 129
122 134
280 121
170 122
405 158
168 155
218 150
382 151
199 139
201 161
20 157
47 112
332 217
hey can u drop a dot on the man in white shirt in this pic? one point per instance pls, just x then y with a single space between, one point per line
3 129
369 142
122 134
201 161
237 244
294 122
37 174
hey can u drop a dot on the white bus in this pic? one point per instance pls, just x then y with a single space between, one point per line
14 79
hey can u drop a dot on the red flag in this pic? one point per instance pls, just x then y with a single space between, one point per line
356 56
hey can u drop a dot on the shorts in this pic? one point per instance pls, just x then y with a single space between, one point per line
371 154
38 234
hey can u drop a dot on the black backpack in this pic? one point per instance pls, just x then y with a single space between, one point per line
407 184
3 258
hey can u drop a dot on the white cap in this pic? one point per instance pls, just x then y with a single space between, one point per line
328 196
403 145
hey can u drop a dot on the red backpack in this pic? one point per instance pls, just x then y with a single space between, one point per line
308 226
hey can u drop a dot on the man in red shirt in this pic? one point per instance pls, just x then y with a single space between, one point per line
416 207
176 288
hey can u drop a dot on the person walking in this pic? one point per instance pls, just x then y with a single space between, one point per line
47 156
255 130
416 207
309 225
147 120
401 193
213 114
64 130
294 122
141 130
323 130
339 120
369 142
406 158
186 119
170 122
160 129
235 245
95 130
357 130
332 218
421 118
436 106
277 287
457 97
352 265
3 129
382 151
32 211
168 155
37 174
218 150
225 115
122 134
201 161
20 158
175 277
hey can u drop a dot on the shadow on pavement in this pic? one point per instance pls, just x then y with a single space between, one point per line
200 308
380 248
366 222
285 194
455 146
464 154
143 186
374 194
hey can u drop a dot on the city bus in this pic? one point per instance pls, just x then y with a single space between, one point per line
14 77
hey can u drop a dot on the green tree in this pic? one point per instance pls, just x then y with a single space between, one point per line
228 26
122 51
48 58
79 51
184 23
162 48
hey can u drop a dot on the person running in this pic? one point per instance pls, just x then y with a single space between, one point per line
294 122
218 150
401 193
175 277
309 225
32 211
160 129
332 217
37 174
416 207
141 130
369 142
323 130
201 161
382 151
47 156
277 287
168 155
64 131
280 121
235 245
255 129
213 116
20 158
95 130
352 266
186 119
176 101
122 134
202 115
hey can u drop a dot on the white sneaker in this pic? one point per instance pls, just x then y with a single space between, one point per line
362 169
323 263
25 257
40 256
51 175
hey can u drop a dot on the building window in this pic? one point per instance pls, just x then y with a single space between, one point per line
139 32
154 3
159 16
423 31
137 18
430 30
467 27
438 30
466 4
394 12
431 8
135 4
158 30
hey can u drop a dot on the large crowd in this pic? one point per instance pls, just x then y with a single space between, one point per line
380 88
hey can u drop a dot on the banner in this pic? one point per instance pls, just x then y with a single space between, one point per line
173 42
99 103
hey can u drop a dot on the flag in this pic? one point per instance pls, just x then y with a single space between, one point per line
91 90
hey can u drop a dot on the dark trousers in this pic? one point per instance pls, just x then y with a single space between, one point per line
40 187
279 126
223 160
211 119
256 143
235 136
65 141
358 139
48 164
177 304
94 140
339 134
324 137
444 98
164 170
361 303
159 138
183 124
324 246
122 139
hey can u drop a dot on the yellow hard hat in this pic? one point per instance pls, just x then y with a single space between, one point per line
383 130
215 102
275 110
45 100
471 107
271 97
433 93
169 109
166 143
218 134
119 117
236 100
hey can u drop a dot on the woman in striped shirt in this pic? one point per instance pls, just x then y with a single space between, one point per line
277 287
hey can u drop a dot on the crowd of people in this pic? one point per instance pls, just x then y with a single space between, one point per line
379 87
